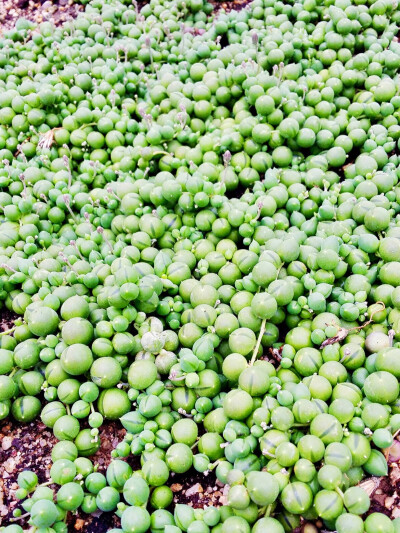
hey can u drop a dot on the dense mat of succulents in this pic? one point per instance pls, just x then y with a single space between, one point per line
200 230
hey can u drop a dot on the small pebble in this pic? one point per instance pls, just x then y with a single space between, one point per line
6 443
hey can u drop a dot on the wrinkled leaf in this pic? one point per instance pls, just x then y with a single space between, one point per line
341 335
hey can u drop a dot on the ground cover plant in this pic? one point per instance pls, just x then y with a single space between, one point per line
200 232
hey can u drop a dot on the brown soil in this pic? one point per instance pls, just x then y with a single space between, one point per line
236 5
57 11
28 447
6 319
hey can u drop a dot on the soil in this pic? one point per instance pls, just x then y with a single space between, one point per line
28 447
57 11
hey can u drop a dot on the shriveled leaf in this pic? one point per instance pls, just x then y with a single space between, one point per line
341 335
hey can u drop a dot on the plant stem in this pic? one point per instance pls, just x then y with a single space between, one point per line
20 517
340 492
8 331
193 446
260 336
261 511
213 465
